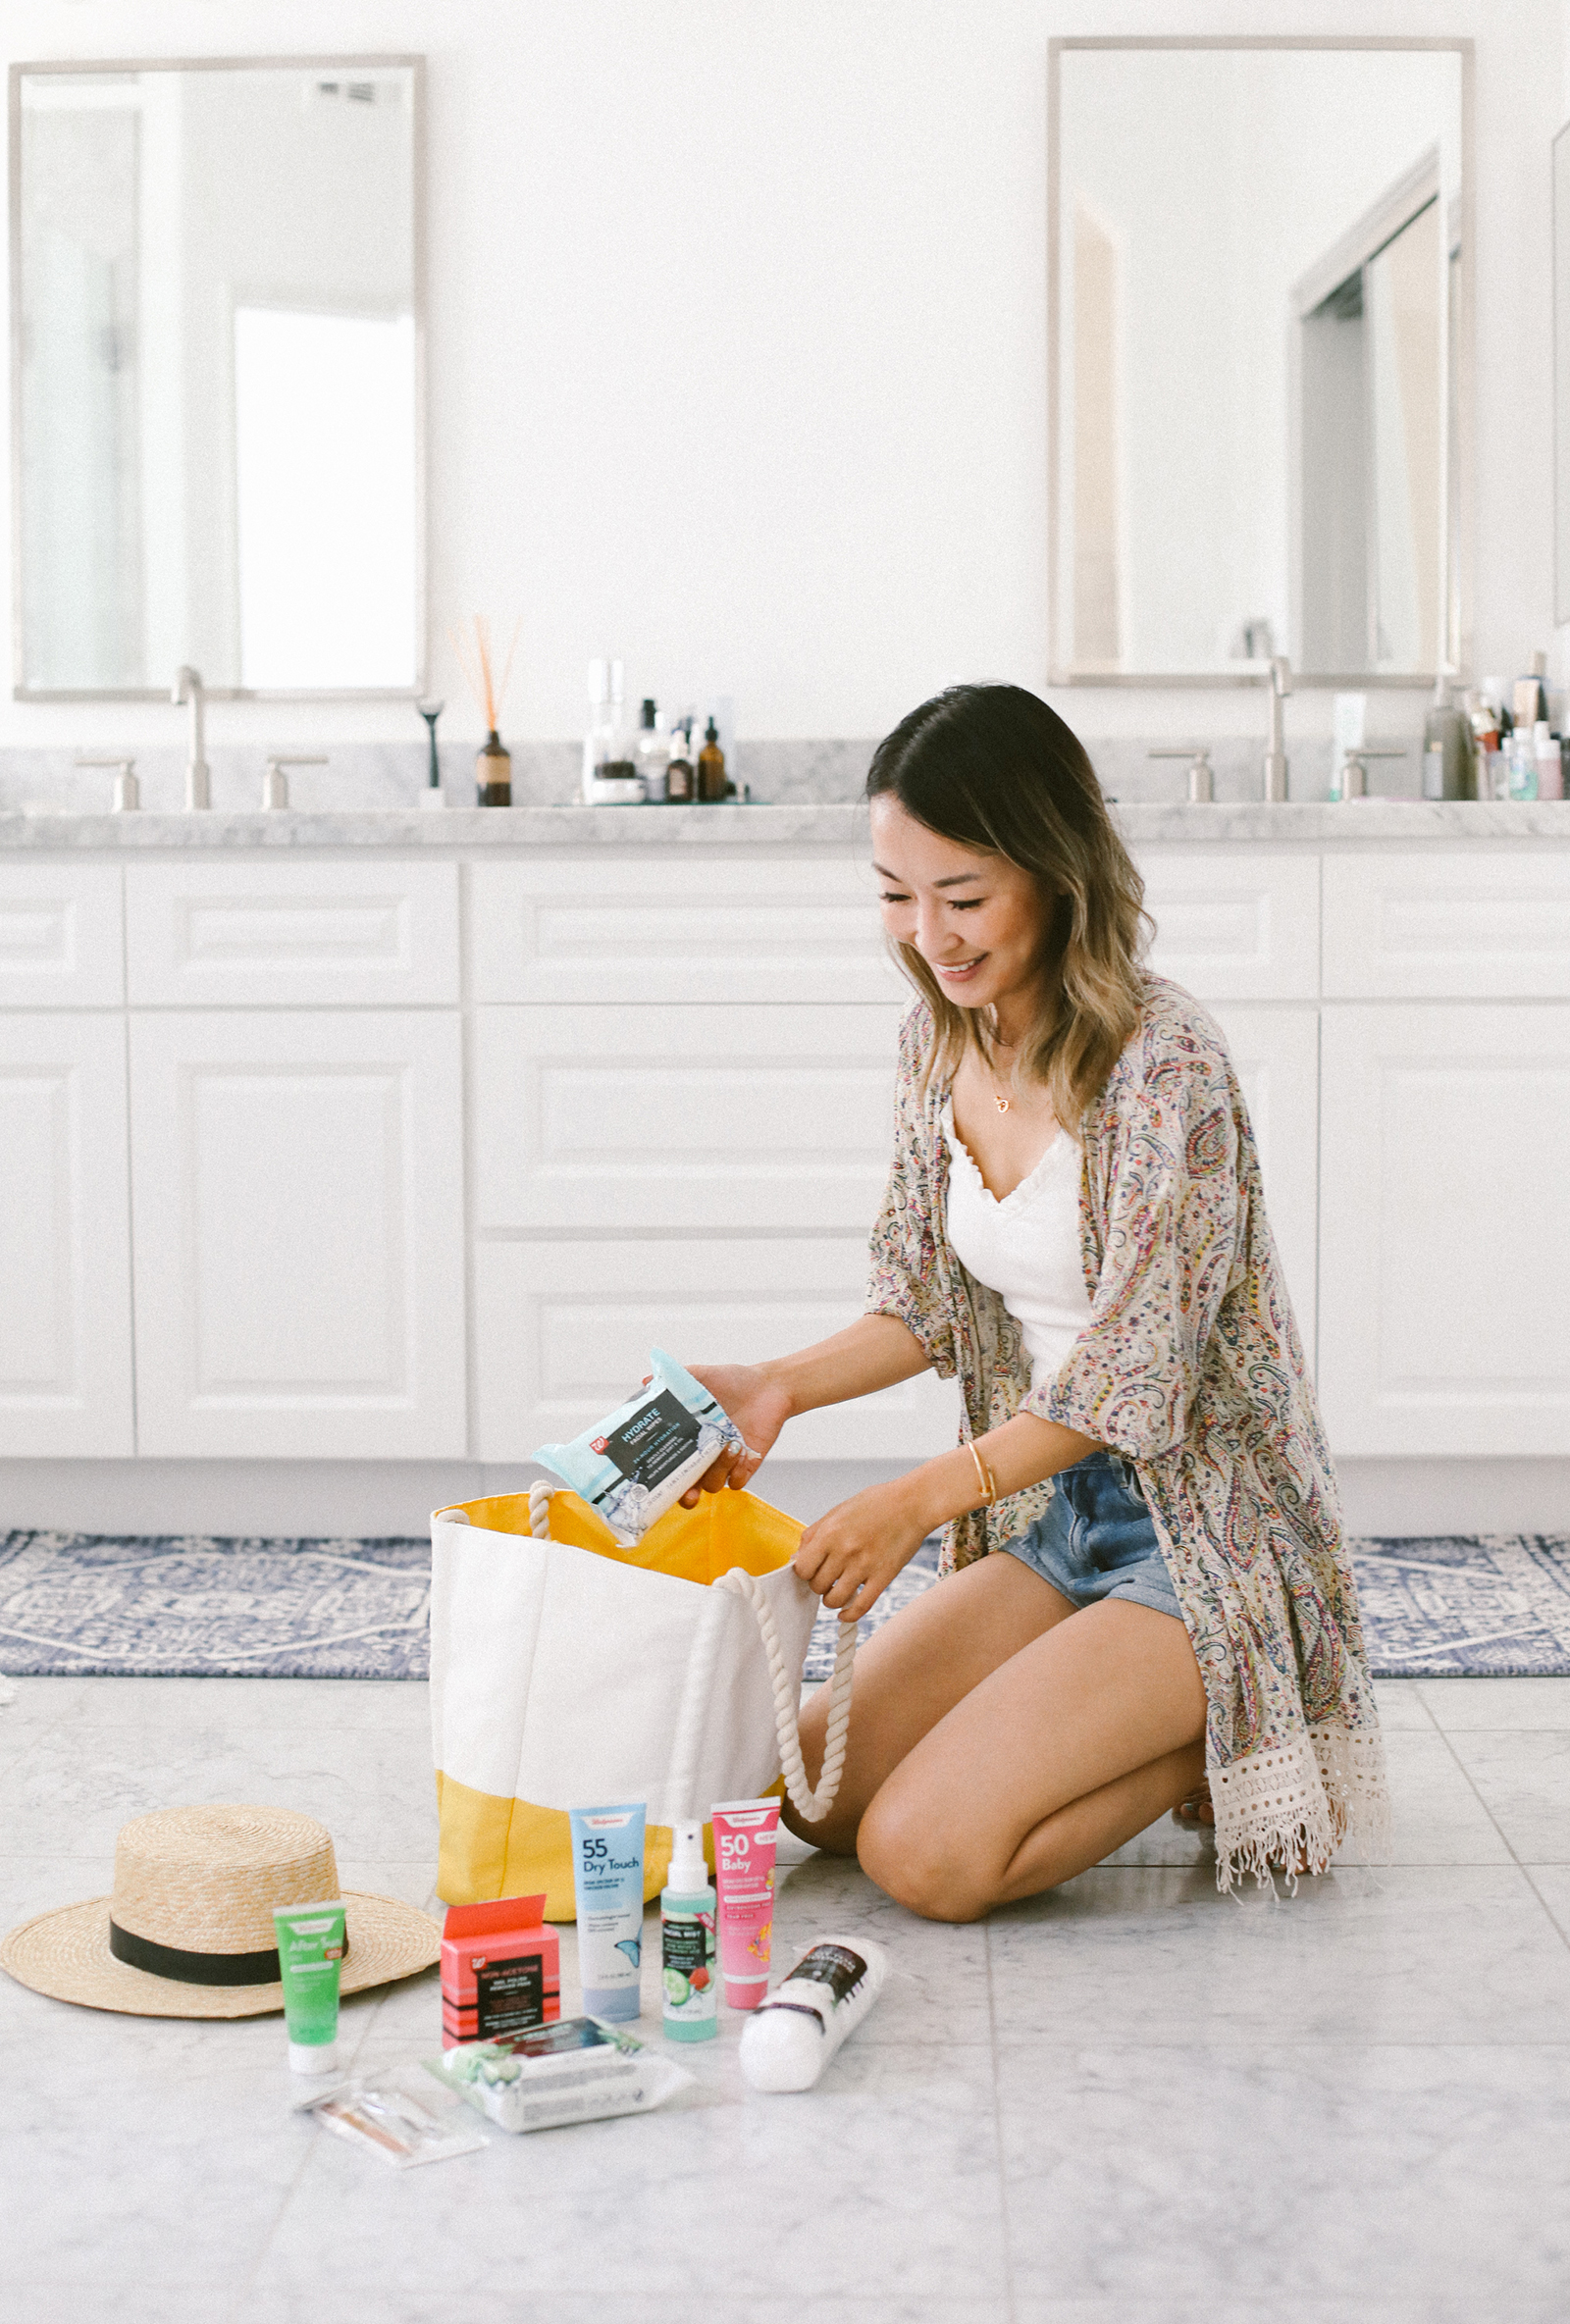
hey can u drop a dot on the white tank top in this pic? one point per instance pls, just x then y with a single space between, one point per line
1025 1248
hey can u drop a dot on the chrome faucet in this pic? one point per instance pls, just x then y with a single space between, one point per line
1281 671
188 688
1201 774
275 783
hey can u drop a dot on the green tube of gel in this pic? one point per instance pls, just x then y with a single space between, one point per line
311 1945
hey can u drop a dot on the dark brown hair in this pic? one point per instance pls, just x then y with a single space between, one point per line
992 768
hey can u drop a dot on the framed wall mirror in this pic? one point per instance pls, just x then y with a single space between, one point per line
216 376
1261 386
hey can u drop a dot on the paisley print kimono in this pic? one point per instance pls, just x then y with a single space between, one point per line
1191 1367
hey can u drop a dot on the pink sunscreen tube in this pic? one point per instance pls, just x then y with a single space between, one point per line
745 1832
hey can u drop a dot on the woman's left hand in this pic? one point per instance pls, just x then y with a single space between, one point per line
850 1556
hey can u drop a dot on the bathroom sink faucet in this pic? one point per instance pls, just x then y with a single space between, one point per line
1281 671
188 688
1201 774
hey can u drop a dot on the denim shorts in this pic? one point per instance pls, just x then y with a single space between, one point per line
1097 1540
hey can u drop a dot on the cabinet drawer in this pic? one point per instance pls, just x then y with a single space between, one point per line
700 1118
1234 926
707 928
274 933
564 1331
1475 926
62 942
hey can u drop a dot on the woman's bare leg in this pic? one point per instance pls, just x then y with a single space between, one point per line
913 1672
1056 1757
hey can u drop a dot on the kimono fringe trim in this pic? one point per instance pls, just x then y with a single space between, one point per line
1290 1808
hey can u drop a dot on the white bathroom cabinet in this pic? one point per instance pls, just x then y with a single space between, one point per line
65 1236
1444 1322
336 1143
300 1267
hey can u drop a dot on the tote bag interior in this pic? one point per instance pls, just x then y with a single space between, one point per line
492 1845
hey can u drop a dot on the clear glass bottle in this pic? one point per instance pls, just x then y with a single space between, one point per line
653 754
609 769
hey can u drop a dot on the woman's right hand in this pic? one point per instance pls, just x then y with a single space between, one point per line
759 1408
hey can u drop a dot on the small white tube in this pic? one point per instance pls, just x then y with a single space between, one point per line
789 2041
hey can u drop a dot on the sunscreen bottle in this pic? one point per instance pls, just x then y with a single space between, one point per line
687 1940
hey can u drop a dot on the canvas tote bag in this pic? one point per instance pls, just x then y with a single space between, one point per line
568 1671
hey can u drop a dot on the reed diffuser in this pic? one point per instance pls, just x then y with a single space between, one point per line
492 766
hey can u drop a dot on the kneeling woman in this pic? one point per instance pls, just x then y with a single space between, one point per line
1075 1226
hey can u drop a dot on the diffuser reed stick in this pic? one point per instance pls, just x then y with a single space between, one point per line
475 658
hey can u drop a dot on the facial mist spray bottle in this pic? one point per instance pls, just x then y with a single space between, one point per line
687 1939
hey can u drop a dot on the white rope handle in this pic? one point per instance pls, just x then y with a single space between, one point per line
812 1806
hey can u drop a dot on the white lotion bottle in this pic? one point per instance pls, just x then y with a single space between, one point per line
791 2036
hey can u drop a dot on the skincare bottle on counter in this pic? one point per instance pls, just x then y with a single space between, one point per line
1523 764
609 770
1546 751
713 785
654 754
493 772
679 781
1447 749
1483 714
1531 702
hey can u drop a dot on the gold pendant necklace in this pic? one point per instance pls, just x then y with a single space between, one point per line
1002 1102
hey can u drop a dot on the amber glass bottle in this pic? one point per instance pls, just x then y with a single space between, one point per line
680 788
711 781
493 772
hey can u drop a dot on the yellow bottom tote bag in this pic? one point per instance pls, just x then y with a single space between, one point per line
568 1671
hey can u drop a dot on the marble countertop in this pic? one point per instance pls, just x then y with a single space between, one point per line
1382 821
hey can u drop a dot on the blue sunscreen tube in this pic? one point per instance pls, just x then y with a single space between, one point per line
608 1880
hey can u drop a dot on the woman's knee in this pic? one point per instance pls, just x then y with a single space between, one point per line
911 1857
835 1834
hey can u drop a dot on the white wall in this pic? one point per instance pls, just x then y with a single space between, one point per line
738 335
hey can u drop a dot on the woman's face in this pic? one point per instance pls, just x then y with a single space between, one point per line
979 922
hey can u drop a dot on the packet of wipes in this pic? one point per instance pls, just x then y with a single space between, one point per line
638 1463
578 2070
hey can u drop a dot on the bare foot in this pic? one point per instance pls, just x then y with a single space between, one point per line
1196 1813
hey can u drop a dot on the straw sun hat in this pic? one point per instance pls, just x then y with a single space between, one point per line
188 1930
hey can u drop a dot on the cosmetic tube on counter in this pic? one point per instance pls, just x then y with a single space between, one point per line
790 2041
746 1831
608 1880
311 1945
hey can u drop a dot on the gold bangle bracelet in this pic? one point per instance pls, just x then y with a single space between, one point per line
989 1483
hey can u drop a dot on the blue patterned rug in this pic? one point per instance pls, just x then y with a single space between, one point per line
1449 1607
186 1607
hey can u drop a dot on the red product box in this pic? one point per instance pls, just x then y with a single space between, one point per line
501 1970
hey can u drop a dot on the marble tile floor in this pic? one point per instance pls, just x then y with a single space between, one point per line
1131 2102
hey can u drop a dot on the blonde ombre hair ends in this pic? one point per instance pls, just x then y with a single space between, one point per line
992 768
